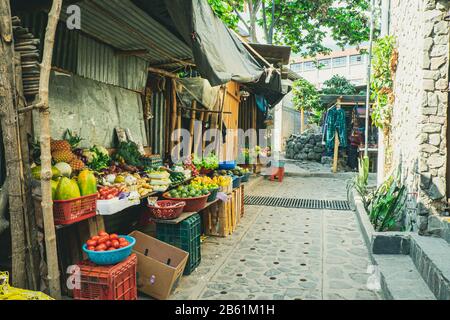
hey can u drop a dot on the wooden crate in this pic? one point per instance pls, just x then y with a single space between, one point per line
222 218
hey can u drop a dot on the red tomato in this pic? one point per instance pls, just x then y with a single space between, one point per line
108 243
91 248
95 238
103 239
115 244
110 196
111 249
113 236
101 247
103 233
122 239
124 244
91 243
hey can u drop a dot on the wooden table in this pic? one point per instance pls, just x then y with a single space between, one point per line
183 216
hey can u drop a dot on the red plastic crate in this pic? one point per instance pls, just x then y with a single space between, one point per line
70 211
117 282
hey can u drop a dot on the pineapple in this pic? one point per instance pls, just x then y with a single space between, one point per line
63 156
77 164
60 145
73 139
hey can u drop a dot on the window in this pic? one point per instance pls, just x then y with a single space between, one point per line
325 63
308 66
296 67
339 62
356 59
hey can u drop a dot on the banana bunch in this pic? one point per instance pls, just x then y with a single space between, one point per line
223 181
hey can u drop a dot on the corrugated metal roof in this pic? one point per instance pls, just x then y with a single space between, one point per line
124 26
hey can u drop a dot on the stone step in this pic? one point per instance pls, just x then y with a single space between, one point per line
431 257
400 279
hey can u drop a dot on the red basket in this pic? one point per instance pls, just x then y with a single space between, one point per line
116 282
70 211
192 204
167 209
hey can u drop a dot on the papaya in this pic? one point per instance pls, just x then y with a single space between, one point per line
54 187
87 183
67 189
36 172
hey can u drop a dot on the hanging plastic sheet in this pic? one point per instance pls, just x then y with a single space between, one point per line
219 54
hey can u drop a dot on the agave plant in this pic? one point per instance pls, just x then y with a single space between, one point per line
387 204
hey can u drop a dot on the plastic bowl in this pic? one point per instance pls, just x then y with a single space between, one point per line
192 204
104 258
227 165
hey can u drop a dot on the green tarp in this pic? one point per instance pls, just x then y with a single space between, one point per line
219 54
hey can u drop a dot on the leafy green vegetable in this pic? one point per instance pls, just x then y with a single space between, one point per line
99 159
211 162
128 152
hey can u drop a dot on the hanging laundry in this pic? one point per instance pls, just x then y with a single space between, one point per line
335 121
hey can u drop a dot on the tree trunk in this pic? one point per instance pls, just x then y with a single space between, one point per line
46 174
8 116
252 14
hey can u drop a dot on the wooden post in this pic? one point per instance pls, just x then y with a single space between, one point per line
302 120
207 119
8 117
173 124
192 124
31 232
198 142
336 141
336 152
46 160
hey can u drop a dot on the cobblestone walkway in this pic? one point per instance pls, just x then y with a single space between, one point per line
279 253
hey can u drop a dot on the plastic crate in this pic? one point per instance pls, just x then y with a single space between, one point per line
67 212
236 182
117 282
186 236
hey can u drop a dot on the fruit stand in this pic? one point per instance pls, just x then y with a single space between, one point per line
92 187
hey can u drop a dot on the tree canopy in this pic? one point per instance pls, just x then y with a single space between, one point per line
301 24
305 95
338 85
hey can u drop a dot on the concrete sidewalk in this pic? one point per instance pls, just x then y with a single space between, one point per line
281 253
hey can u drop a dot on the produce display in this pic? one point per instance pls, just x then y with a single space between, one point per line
189 165
189 191
211 162
106 242
177 177
97 158
128 152
205 183
67 189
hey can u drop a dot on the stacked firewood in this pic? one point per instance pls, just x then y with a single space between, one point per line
28 46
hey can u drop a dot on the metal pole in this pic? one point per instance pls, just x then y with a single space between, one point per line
369 69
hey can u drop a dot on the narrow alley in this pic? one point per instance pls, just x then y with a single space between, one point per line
283 253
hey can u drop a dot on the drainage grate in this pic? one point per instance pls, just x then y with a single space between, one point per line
297 203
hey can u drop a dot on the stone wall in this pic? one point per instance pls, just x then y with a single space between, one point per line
419 121
305 146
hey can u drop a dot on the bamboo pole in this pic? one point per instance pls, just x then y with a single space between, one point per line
46 174
8 117
200 137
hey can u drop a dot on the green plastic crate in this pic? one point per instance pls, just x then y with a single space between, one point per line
186 236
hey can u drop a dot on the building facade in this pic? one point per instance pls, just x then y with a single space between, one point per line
349 63
420 111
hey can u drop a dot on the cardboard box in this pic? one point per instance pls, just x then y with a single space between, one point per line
160 265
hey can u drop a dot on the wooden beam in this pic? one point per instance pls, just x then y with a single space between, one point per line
163 72
191 125
141 52
336 152
10 130
46 173
204 110
174 110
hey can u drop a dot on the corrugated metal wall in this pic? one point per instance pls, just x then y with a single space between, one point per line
157 123
89 58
